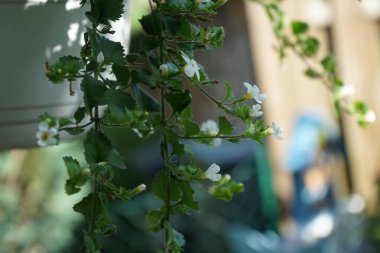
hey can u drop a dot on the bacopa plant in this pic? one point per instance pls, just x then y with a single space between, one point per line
117 92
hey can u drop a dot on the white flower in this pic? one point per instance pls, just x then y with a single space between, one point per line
212 173
46 136
164 70
191 67
370 117
210 127
254 92
256 111
275 130
345 91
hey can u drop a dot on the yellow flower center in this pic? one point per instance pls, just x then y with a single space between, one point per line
247 96
45 136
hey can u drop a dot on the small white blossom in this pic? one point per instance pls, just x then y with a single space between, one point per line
256 111
46 136
276 131
370 117
191 67
164 70
210 127
345 91
254 92
212 173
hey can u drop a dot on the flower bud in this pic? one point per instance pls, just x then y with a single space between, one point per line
85 171
164 70
140 188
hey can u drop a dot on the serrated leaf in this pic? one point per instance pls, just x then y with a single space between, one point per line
93 92
122 73
97 148
120 100
191 128
79 114
160 184
66 66
178 100
113 51
72 165
87 204
108 10
225 127
151 23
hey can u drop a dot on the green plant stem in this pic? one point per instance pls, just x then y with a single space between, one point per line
97 128
164 141
212 137
75 127
219 104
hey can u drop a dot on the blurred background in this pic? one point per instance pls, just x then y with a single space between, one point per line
316 191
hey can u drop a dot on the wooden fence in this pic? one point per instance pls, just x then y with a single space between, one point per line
355 42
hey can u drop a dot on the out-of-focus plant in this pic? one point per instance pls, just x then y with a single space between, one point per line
294 35
33 217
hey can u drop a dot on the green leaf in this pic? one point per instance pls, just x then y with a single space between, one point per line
151 23
312 73
328 64
178 100
113 51
64 122
154 219
52 121
299 27
122 73
93 92
191 128
225 127
76 176
66 67
229 94
243 111
310 47
145 100
185 29
72 165
120 100
90 243
225 189
79 114
106 10
98 148
74 131
159 187
86 206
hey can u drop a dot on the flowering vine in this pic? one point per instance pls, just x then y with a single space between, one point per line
117 93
